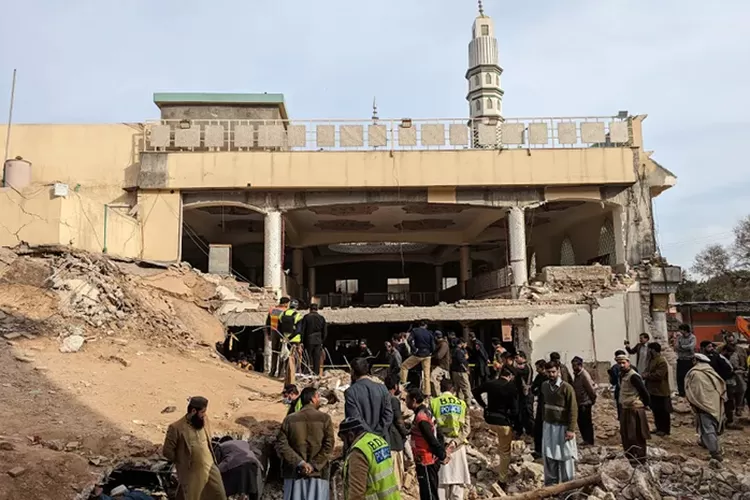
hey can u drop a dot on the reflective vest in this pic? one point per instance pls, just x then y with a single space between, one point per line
381 480
274 315
450 413
289 322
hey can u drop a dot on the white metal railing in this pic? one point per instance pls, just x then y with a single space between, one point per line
404 134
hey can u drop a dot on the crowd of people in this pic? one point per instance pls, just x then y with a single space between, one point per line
441 376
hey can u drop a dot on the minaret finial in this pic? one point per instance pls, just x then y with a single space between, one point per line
481 8
374 109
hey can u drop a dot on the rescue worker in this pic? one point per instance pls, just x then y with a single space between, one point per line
290 395
272 345
368 466
426 444
453 421
290 324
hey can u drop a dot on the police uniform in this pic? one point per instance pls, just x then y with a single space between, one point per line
452 418
381 479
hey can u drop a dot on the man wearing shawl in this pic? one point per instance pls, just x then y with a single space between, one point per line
706 392
633 400
188 445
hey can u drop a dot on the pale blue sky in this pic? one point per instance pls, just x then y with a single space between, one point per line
684 63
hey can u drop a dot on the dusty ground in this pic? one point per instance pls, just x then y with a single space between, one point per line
93 405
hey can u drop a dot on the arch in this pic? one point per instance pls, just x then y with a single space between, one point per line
607 241
488 79
567 254
476 80
477 105
489 103
219 203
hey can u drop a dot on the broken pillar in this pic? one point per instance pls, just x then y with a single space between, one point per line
517 237
311 281
220 259
465 269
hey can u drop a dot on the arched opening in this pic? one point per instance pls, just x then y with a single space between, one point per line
488 79
567 255
607 243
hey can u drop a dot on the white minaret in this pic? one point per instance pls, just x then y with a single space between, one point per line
485 94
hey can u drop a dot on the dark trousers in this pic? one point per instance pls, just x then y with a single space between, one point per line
427 477
538 427
683 366
525 422
586 423
313 352
276 348
661 406
617 403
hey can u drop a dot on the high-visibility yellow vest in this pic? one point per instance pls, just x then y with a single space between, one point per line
450 413
296 318
381 480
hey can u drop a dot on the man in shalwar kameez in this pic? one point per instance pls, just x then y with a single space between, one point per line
453 420
558 435
188 445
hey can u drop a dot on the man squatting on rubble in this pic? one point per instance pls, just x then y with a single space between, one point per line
423 346
305 444
501 414
453 422
188 445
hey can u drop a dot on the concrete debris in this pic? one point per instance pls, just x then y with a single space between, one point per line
11 336
72 343
169 409
7 446
24 358
16 471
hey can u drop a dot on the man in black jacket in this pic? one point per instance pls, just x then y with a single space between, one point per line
478 355
536 390
501 414
314 332
422 342
397 432
460 371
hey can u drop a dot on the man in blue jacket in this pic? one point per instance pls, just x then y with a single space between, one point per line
422 343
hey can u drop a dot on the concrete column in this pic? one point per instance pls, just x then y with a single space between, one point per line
298 264
618 226
438 278
272 272
660 333
517 244
465 269
311 280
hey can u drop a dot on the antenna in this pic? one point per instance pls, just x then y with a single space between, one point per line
10 116
374 109
481 8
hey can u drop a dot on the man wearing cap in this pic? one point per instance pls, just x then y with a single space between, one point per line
441 361
634 398
290 395
272 347
368 466
290 325
305 444
188 445
706 392
614 380
585 397
737 357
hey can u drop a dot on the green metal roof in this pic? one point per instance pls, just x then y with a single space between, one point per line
214 98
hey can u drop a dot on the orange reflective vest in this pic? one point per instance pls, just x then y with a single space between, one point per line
274 316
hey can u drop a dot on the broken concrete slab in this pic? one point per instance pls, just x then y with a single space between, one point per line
16 471
73 343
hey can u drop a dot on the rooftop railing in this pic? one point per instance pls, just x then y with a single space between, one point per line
404 134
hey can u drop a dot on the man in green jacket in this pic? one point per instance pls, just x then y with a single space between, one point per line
559 429
657 384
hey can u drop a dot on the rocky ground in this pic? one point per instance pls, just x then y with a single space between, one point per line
98 356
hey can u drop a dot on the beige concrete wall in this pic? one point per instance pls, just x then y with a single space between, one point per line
340 169
101 158
83 226
33 215
29 215
584 236
160 215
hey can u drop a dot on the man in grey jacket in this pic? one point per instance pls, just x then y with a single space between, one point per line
684 345
368 400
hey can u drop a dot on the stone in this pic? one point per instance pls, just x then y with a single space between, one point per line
715 464
16 471
121 360
498 490
72 445
24 358
532 471
119 341
691 469
11 336
6 446
28 336
169 409
73 343
41 368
